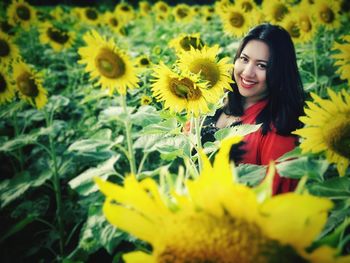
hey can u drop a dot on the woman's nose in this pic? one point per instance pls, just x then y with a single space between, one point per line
249 70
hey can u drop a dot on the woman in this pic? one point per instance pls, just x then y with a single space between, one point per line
267 90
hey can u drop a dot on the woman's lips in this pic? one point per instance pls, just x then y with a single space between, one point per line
247 84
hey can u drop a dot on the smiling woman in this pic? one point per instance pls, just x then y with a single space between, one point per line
267 91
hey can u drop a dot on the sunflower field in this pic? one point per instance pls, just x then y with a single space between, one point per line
101 110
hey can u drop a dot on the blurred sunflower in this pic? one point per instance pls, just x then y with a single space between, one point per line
143 61
291 24
7 89
144 8
8 50
107 63
214 219
145 100
57 38
246 5
20 12
89 15
180 92
275 10
183 13
328 128
184 42
29 85
307 26
215 72
343 58
6 27
326 13
162 8
125 12
112 21
235 21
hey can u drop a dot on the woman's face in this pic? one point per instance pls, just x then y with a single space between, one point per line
250 71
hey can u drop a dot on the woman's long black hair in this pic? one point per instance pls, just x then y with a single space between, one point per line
285 89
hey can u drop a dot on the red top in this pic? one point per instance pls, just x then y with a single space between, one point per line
261 149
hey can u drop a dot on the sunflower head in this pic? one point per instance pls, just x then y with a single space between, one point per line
327 13
235 21
183 13
107 63
184 42
145 100
57 37
8 50
20 12
7 90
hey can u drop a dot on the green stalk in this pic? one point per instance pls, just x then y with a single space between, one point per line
199 142
128 126
314 49
17 133
56 184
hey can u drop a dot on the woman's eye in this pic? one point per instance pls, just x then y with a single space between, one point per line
262 66
243 59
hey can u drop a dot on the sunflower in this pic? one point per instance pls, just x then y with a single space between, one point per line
307 26
8 50
29 85
215 219
184 42
145 100
180 92
144 8
205 62
125 12
143 61
7 89
291 24
106 62
89 15
343 58
235 21
326 13
112 21
20 12
328 128
6 27
246 5
56 37
161 8
275 10
183 13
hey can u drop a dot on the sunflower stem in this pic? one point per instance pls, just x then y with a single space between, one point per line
314 49
128 126
199 142
56 184
17 133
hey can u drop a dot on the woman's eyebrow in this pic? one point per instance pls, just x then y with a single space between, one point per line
258 60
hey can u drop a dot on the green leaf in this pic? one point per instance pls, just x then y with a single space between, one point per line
115 113
18 142
145 115
164 127
297 168
17 227
334 188
89 145
84 183
240 130
251 174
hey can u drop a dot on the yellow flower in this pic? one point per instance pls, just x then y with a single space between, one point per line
125 12
326 13
205 62
184 42
343 58
29 85
7 89
20 12
145 100
307 25
57 38
275 10
112 21
183 13
235 21
215 219
144 8
89 15
161 8
143 61
291 24
180 92
328 128
246 5
8 50
107 63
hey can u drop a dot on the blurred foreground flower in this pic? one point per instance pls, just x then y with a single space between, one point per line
328 128
107 63
29 85
217 220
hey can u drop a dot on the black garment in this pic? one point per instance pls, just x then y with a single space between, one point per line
209 129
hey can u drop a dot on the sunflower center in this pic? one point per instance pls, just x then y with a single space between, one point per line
187 42
91 14
305 24
125 8
110 64
23 12
57 35
279 12
144 62
114 22
182 12
337 135
3 84
236 19
26 84
184 89
327 15
293 30
247 7
6 27
207 69
4 48
205 238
